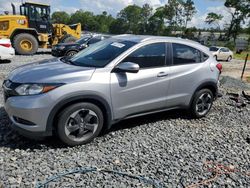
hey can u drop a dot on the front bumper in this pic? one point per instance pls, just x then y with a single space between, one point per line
57 53
29 114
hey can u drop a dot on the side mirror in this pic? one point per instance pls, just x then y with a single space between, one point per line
127 67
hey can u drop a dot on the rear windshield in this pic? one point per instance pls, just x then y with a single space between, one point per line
213 49
101 53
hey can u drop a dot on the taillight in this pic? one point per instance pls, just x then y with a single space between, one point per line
219 67
6 45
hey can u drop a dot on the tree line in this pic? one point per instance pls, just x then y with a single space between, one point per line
165 20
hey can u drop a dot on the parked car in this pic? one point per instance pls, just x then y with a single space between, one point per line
118 78
6 50
221 53
70 49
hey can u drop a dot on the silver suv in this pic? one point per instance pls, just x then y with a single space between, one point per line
118 78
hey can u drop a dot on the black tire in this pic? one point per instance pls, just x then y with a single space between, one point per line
194 110
29 43
229 58
68 39
216 58
71 53
64 124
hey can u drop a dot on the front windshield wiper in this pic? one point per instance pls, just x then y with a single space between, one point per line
67 60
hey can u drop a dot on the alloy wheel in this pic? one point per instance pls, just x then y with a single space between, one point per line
81 125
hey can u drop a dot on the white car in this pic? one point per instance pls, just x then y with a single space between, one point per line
221 53
6 50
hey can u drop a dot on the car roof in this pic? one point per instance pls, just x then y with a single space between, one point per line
149 38
143 38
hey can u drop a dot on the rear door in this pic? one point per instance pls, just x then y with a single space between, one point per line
146 90
185 74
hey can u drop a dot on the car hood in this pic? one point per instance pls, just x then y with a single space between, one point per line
51 71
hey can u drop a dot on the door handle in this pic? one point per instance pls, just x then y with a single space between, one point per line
162 74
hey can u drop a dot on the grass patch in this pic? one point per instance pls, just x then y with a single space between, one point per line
248 79
242 56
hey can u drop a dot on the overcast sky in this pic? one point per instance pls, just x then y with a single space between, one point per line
114 6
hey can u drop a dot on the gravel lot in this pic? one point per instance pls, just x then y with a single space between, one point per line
168 147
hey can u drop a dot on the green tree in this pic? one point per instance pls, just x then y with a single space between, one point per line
87 19
239 10
146 14
189 11
118 26
214 19
60 17
104 22
131 16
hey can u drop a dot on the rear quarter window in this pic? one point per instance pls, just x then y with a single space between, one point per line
184 54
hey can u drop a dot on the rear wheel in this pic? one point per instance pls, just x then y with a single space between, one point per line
202 103
25 44
79 124
229 58
216 58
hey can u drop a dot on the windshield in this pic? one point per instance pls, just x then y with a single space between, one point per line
83 40
213 49
101 53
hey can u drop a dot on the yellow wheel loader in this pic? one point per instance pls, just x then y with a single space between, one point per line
32 29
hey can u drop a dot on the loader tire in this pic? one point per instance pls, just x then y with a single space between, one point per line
68 39
25 44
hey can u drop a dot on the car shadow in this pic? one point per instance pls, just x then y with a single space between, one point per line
13 140
146 119
43 52
6 61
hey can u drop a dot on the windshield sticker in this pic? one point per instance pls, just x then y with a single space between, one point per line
118 45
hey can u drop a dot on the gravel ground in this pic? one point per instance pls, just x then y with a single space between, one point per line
168 147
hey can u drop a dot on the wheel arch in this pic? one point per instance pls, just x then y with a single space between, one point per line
69 50
24 31
97 100
206 85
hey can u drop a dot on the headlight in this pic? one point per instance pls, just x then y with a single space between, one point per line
34 89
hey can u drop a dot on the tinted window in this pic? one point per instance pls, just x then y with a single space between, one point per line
101 53
213 49
224 50
152 55
183 54
82 40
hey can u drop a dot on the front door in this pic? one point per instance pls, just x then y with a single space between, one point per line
146 90
39 18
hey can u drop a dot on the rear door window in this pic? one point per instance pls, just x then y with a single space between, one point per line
183 54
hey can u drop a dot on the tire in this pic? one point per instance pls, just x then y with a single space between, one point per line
216 58
25 44
229 58
68 39
79 123
71 53
199 109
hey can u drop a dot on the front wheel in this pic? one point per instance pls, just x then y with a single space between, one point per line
71 53
79 123
202 103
